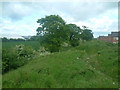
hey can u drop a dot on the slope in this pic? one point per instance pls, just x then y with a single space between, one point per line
93 64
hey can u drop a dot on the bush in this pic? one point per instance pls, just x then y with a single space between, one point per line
53 48
23 51
74 43
16 57
8 60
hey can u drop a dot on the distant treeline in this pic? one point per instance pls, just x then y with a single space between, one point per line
33 38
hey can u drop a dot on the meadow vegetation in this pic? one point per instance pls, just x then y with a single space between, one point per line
92 64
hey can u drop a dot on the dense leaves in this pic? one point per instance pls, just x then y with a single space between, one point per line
87 35
74 34
53 32
15 57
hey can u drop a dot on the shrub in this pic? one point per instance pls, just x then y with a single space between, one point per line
74 43
24 51
9 58
53 48
16 57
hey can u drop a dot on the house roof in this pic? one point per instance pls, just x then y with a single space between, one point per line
115 34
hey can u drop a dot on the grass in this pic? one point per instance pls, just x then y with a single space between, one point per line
93 64
34 44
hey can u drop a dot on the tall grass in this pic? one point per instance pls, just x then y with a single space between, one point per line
93 64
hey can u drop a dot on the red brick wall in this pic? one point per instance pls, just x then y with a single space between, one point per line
108 39
114 40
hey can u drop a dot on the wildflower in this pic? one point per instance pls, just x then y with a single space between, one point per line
77 57
113 82
88 58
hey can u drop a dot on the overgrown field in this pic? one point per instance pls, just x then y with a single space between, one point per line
93 64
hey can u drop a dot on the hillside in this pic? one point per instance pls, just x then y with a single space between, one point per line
92 64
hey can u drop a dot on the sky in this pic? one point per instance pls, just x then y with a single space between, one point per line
20 18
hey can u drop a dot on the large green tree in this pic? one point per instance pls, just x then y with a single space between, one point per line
86 34
52 31
74 34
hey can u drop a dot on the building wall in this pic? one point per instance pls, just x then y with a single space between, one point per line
108 39
115 40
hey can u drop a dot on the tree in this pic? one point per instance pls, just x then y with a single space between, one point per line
86 34
74 34
4 39
52 31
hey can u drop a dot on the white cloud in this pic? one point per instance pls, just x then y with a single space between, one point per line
20 18
18 28
102 24
15 11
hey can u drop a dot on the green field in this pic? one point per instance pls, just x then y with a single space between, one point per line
7 45
93 64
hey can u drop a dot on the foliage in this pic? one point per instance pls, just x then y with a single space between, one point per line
52 32
15 57
86 34
74 34
34 38
4 39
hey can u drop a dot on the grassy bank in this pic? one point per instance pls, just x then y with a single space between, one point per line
93 64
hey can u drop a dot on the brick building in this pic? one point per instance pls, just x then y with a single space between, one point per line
113 37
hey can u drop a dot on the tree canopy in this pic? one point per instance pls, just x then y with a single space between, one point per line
87 34
54 31
74 34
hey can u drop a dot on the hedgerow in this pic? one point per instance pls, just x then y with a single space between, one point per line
16 57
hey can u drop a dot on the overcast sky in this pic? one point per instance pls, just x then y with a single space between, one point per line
19 18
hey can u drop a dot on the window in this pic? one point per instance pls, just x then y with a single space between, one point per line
115 38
